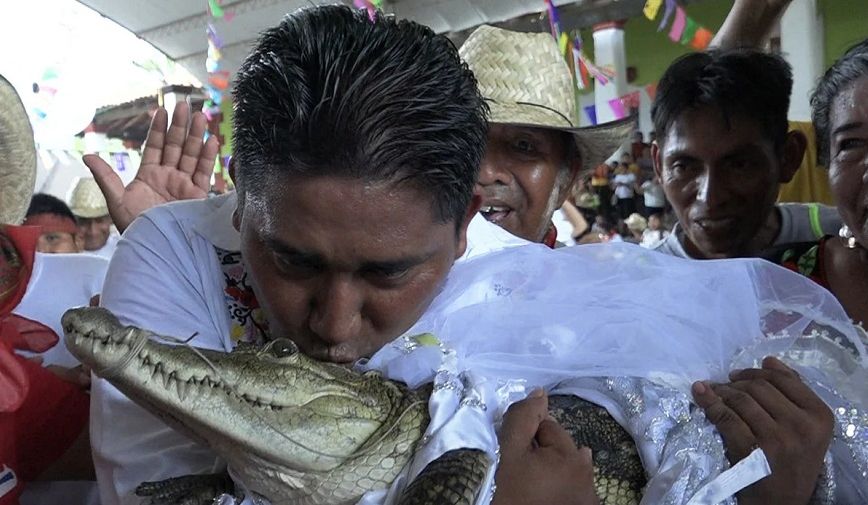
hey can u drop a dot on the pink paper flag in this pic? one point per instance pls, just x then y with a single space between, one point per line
617 108
678 25
228 16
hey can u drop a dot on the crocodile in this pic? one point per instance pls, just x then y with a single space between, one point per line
296 430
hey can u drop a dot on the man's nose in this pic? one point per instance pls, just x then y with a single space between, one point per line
335 316
491 171
713 188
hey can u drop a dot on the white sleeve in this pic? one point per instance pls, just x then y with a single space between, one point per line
154 281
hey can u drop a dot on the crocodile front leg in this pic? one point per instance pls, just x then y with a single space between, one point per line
187 490
456 478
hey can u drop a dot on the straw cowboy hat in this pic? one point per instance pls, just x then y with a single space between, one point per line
17 156
87 200
526 82
635 222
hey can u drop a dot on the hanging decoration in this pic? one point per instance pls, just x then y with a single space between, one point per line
372 6
218 79
684 29
581 67
591 111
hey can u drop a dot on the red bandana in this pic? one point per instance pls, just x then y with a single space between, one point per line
551 237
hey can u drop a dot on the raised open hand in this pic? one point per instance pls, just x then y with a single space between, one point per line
176 165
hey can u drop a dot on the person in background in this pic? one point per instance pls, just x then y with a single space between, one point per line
94 223
653 196
723 151
840 115
534 148
636 226
59 229
638 146
44 457
601 185
655 233
625 185
629 162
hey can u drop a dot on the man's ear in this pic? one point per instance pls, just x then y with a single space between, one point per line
230 168
472 209
794 152
657 160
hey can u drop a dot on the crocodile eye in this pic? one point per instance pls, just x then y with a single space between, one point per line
283 347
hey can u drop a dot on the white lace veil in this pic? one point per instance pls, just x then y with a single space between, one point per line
529 316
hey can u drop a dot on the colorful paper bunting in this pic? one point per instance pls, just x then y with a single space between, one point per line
214 7
651 8
678 25
702 39
667 15
617 105
591 111
690 29
554 19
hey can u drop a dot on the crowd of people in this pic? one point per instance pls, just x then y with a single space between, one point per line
364 177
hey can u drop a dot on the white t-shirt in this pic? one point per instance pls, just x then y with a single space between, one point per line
624 185
165 276
654 195
108 249
650 238
58 283
800 222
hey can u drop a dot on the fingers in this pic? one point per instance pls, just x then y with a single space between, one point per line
551 434
737 435
108 181
205 164
522 420
193 143
785 379
767 396
174 144
152 154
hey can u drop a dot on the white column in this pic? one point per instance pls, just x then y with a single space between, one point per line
802 44
609 52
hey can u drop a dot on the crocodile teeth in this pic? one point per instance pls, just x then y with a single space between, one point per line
183 389
167 379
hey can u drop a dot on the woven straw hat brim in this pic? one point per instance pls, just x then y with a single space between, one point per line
17 156
89 213
596 143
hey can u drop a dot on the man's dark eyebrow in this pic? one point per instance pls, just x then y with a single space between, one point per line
394 265
284 249
847 127
398 264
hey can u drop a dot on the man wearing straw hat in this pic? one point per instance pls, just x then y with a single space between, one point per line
43 408
535 148
94 223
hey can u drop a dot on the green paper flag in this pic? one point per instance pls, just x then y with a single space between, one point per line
689 31
216 10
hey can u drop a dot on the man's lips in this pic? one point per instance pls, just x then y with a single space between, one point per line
715 225
495 210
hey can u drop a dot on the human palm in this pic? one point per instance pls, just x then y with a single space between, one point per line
176 165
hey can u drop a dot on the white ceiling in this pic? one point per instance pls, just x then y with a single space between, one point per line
177 27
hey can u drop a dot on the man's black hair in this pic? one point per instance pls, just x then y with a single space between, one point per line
328 92
42 203
739 82
849 68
